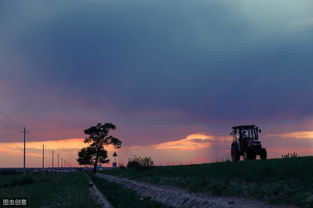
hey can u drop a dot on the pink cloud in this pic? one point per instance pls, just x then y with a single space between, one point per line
295 135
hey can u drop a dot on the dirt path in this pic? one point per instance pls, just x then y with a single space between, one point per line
179 198
98 196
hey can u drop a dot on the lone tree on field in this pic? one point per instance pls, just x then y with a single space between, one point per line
98 138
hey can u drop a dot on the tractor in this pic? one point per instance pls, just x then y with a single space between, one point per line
246 143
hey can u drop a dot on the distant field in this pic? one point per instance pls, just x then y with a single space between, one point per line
48 190
288 181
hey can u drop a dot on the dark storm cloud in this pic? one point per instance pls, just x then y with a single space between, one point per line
210 62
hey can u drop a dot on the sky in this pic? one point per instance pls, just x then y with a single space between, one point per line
173 76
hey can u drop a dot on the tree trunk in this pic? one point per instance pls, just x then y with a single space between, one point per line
96 161
95 168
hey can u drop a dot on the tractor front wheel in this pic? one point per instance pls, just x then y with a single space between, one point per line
249 155
263 154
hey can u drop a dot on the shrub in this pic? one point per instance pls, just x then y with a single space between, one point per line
133 162
290 155
140 163
122 166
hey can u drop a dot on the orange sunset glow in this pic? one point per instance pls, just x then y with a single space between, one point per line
194 148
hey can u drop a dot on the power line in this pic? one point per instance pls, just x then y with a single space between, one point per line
32 136
12 121
9 125
14 124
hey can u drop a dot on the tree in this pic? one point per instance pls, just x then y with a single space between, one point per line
98 138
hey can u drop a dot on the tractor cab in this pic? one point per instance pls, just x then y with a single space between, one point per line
246 134
246 142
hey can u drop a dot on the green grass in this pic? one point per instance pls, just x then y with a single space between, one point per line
120 197
288 181
48 190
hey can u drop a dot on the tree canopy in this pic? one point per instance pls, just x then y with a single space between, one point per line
98 138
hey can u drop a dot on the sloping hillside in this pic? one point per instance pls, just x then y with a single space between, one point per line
279 181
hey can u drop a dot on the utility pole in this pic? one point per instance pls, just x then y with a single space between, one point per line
52 158
62 162
43 156
58 161
24 132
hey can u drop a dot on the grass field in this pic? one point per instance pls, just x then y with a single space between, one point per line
120 197
48 190
288 181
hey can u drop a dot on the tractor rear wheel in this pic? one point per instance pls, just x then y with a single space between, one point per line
263 154
235 155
